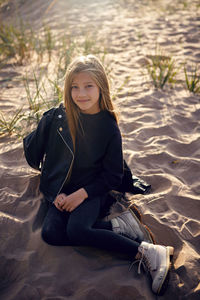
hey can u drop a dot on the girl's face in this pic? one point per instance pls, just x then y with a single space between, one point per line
85 93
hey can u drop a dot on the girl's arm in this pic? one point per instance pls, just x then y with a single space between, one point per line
35 142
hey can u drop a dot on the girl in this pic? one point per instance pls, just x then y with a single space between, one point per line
78 149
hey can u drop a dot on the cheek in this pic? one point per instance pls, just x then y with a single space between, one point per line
96 93
73 94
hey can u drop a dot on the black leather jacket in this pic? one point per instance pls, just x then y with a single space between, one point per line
40 146
51 135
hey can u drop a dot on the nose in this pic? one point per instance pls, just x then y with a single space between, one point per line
82 92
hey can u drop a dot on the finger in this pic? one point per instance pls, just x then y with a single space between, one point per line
56 204
65 205
60 197
68 208
58 207
61 202
62 205
71 208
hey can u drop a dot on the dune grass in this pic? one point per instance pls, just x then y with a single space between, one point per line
35 98
21 42
193 80
57 92
49 41
15 42
11 124
161 69
43 88
119 89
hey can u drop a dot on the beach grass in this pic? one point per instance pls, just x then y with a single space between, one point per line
161 70
32 97
42 89
49 42
10 124
21 42
15 42
65 54
36 95
119 89
57 92
193 79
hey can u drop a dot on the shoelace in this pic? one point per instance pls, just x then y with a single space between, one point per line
144 261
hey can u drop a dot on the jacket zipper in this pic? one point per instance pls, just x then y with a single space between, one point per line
42 165
70 164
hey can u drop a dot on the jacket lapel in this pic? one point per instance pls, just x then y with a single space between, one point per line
62 127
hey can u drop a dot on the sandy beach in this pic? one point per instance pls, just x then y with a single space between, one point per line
161 142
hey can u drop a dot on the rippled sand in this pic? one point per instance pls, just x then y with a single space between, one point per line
161 140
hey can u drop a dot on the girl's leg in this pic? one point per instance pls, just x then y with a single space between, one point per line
54 227
128 225
100 224
81 231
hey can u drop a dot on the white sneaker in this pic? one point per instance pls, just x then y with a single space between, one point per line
157 260
130 226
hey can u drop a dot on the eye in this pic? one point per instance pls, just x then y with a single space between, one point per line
74 87
89 86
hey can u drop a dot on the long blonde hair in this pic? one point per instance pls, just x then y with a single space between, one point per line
94 67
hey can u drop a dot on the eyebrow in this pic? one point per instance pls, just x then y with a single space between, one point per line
74 82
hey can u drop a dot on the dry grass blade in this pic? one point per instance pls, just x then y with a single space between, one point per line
15 42
9 125
193 80
57 91
161 70
48 41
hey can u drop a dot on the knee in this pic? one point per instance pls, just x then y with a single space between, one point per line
76 233
48 235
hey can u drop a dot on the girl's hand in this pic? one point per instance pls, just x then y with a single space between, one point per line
59 200
70 202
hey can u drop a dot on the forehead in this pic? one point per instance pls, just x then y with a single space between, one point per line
82 77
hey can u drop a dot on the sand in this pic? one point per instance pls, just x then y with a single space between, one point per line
161 141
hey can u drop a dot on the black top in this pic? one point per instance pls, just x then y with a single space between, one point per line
98 162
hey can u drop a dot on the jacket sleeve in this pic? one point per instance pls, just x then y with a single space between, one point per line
35 142
112 169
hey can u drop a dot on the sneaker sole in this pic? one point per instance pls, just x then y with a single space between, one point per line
165 281
147 235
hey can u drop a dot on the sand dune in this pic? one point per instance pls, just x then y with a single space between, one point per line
161 141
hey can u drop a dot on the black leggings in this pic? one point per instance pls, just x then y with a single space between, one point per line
81 227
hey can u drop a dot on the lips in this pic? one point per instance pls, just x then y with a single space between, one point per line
82 101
